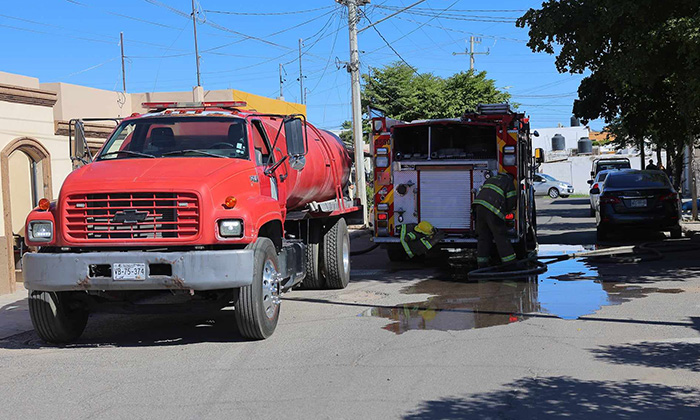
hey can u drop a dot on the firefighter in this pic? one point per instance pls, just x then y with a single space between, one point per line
418 239
497 197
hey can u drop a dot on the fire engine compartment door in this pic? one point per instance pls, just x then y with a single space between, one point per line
446 198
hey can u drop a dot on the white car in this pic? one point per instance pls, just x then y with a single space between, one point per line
546 185
598 183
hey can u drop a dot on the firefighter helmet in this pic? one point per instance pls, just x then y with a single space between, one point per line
425 228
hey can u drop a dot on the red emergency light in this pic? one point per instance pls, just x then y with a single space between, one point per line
218 104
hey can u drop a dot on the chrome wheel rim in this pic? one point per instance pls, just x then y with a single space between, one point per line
346 254
270 288
553 193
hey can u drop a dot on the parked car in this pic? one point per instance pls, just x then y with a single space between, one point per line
607 164
637 198
597 184
546 185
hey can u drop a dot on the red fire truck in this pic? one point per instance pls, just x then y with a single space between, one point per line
432 169
192 202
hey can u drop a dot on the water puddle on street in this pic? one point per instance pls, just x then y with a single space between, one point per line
568 290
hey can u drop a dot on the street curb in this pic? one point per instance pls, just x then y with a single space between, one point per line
14 314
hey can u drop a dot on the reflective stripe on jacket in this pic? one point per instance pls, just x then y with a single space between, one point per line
498 194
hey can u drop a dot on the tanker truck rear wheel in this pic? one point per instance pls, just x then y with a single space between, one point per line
314 279
336 255
257 307
57 317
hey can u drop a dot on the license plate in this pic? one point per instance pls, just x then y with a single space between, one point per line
129 271
638 203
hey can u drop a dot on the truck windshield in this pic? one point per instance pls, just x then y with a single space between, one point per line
172 137
620 164
445 141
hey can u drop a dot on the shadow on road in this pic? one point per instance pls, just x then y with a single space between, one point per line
669 355
111 330
568 398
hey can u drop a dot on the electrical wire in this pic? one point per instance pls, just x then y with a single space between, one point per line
122 15
293 12
390 46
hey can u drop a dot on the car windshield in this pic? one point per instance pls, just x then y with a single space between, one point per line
548 178
172 137
602 176
652 179
602 166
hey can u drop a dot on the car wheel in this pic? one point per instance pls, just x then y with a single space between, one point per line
602 233
553 192
676 233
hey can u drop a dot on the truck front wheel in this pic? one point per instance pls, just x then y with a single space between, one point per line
336 255
57 316
257 307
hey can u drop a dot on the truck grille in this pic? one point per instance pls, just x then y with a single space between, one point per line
120 216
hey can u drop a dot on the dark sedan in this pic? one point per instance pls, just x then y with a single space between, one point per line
635 198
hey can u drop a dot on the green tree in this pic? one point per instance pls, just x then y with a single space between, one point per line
402 93
644 64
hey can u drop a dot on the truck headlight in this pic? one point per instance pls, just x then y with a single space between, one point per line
40 231
230 228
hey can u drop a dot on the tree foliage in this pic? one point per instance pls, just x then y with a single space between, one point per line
644 62
401 93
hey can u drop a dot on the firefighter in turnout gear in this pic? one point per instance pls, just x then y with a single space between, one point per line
497 198
418 239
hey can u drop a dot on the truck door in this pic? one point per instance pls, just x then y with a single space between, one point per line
264 158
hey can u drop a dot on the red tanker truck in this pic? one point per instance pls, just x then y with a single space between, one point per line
192 203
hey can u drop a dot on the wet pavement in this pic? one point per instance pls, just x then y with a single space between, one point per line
568 290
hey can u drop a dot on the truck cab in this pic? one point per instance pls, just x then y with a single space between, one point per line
225 205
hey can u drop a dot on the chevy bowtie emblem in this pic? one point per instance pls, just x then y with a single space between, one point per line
129 216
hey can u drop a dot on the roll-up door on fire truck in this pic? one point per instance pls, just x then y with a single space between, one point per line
445 198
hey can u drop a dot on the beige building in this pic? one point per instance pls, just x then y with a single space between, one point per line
34 146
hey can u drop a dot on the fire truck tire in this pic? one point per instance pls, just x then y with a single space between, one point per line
57 317
336 255
396 253
257 307
553 192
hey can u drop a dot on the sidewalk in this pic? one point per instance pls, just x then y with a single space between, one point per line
14 313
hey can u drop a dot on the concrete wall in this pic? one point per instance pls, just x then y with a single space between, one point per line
18 80
85 102
576 170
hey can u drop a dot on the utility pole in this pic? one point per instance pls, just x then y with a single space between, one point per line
354 69
196 49
281 84
471 52
301 74
121 43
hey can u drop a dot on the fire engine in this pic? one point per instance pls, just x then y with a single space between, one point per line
431 170
191 203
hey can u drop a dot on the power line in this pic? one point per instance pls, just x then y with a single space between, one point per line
293 12
122 15
389 44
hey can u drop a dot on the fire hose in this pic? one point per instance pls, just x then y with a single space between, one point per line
537 264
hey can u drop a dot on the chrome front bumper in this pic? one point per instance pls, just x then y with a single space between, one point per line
196 270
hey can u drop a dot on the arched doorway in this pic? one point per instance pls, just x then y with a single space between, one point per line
25 172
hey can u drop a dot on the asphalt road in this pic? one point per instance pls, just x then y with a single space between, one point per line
585 340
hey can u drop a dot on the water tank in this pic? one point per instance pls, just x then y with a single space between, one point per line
585 146
575 122
558 142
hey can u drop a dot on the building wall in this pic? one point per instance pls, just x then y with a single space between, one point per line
576 170
76 101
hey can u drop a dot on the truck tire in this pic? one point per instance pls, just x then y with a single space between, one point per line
257 307
56 316
396 253
336 255
314 279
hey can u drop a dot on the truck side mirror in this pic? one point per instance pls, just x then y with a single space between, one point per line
79 150
535 133
539 155
590 182
295 133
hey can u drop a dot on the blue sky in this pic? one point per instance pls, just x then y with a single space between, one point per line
77 41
